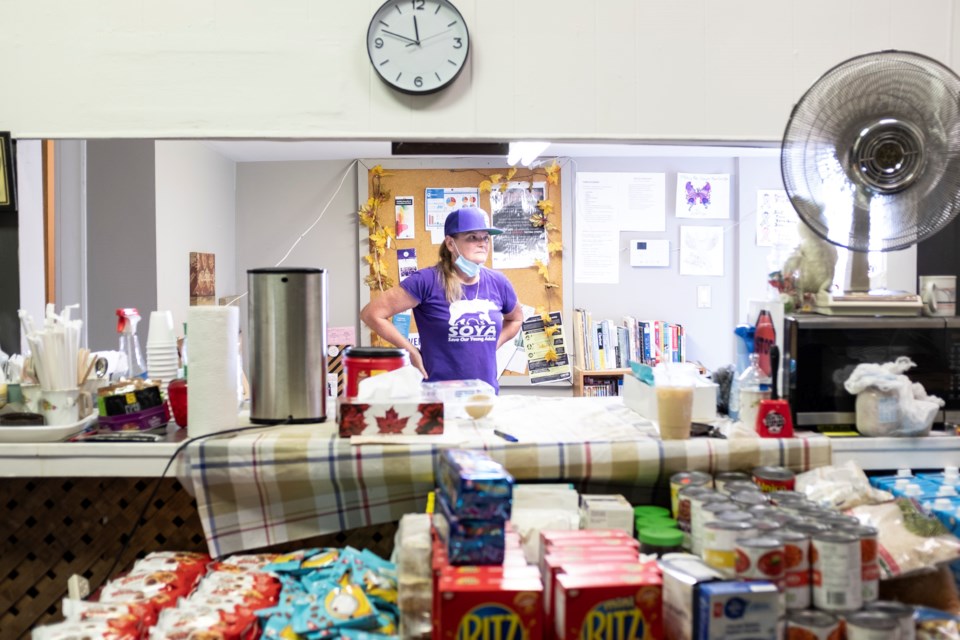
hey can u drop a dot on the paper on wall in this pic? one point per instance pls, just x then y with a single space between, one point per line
701 250
596 260
703 195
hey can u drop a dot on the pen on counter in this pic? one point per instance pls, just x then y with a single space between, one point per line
505 436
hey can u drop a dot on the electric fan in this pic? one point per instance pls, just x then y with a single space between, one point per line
871 162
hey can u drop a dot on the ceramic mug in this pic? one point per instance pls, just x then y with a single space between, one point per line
60 406
939 295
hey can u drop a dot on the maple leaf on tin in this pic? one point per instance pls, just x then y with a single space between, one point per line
352 420
391 422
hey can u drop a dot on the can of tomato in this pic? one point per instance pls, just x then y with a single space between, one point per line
813 625
759 558
723 478
837 582
720 544
771 478
902 612
869 561
796 568
684 479
871 625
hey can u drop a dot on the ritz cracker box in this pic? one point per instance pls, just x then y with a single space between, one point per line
490 608
609 606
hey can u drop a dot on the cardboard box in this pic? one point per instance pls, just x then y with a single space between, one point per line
489 607
682 579
391 417
607 605
738 610
606 512
641 398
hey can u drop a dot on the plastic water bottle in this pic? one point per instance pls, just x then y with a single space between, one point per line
127 321
755 385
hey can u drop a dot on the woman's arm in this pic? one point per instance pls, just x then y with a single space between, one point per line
377 314
511 325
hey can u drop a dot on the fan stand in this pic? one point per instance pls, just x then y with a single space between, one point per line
859 300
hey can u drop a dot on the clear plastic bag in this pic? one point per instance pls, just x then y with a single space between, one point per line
881 385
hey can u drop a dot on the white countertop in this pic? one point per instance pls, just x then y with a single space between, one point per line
90 459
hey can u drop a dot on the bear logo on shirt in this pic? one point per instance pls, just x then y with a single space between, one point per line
470 321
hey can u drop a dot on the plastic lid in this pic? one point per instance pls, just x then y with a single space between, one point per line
374 352
913 489
904 473
648 510
901 483
946 490
655 522
661 537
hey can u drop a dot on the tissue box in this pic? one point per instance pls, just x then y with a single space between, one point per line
410 416
641 398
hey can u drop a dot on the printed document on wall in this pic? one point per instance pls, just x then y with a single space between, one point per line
640 199
438 202
703 195
597 258
521 244
701 251
776 219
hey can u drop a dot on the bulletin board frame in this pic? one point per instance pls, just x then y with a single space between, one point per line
411 177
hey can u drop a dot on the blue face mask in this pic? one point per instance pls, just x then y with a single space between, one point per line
470 269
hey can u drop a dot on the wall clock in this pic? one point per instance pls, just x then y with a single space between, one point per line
418 46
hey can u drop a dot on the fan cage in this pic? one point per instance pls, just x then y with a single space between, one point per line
871 153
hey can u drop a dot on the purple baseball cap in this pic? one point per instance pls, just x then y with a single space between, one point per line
468 219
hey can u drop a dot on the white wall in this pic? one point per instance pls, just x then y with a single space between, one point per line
196 211
30 231
277 202
556 69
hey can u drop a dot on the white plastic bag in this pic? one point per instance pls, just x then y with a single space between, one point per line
917 409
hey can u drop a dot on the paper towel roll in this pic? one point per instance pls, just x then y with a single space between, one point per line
212 400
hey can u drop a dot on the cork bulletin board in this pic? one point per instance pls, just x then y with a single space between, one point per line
527 281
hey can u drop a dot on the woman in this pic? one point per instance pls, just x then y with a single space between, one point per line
464 311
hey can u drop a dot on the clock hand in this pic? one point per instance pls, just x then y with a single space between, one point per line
397 35
416 31
429 37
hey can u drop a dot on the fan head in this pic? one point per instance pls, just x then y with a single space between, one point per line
871 153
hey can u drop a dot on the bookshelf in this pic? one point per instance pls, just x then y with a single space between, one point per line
586 379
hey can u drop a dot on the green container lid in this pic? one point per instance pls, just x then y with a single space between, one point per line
659 537
648 510
657 522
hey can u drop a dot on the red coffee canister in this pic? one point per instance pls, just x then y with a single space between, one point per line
363 362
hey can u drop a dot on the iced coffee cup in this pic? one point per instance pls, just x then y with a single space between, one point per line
674 410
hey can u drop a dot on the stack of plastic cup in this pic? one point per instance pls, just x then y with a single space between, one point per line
162 358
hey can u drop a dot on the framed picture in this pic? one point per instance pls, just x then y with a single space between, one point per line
8 182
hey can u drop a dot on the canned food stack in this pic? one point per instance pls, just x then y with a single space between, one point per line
474 497
824 563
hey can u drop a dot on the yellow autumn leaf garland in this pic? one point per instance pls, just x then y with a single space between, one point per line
380 236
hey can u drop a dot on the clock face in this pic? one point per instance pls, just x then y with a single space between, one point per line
418 46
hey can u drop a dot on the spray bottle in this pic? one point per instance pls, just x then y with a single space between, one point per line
127 321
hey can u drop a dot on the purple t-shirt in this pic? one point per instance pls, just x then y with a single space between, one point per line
459 341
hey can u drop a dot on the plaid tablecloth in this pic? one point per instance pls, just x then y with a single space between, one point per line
288 483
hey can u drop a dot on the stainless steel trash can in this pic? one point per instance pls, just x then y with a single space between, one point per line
287 322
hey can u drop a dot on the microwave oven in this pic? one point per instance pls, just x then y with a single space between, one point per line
820 352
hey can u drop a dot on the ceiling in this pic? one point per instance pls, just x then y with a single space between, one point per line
302 150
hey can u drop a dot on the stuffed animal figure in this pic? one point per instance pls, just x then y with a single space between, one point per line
813 261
